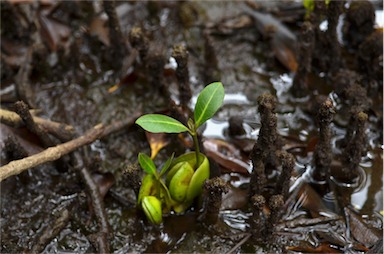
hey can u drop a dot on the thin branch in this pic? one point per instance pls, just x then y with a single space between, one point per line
50 154
23 111
54 153
239 244
102 235
59 130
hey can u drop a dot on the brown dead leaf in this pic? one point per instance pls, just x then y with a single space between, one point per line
54 33
283 41
99 29
285 54
322 248
226 155
156 142
104 182
360 230
308 198
235 198
128 79
27 140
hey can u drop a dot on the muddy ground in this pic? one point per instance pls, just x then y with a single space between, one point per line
83 63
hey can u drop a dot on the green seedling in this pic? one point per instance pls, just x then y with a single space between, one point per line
188 172
309 6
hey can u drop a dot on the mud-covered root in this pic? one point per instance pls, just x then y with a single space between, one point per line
155 62
347 85
210 72
235 126
269 141
264 153
355 148
181 55
275 203
283 182
370 63
213 190
323 152
335 8
139 41
257 222
306 45
119 49
359 23
131 178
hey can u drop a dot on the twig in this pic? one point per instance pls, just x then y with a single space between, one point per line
238 245
119 49
54 153
50 154
121 124
23 111
97 204
23 86
59 130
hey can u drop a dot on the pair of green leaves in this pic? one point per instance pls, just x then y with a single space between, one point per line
208 102
149 166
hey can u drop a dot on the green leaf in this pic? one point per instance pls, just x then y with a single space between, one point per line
147 164
309 5
208 102
160 123
166 165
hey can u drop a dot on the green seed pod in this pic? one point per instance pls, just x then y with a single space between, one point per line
196 184
152 209
172 171
179 183
147 188
183 186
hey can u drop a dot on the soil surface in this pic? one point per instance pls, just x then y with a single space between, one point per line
314 142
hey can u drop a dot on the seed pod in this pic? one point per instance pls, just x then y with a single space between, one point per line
173 171
185 181
179 183
148 187
196 185
152 209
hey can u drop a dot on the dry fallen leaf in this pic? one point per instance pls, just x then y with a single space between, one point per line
126 80
54 33
322 248
99 29
227 156
283 41
104 182
156 142
360 230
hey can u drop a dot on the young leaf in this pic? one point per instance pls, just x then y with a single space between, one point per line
309 5
160 123
208 102
166 165
147 164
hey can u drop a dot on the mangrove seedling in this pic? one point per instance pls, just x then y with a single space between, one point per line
187 173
